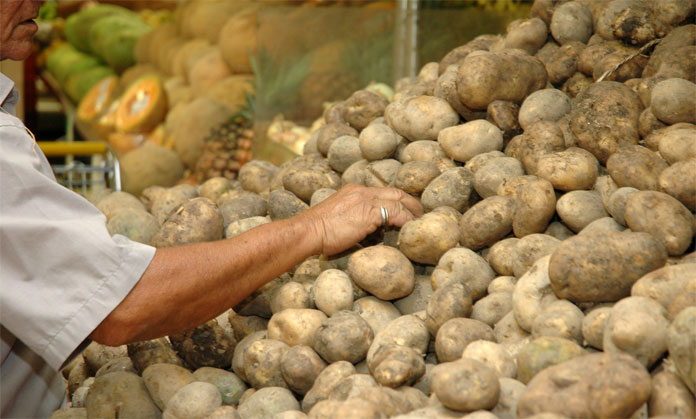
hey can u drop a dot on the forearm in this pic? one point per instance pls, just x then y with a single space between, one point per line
186 286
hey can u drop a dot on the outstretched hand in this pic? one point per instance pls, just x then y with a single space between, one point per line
349 215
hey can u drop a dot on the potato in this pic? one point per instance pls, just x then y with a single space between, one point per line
504 115
205 345
543 105
595 391
284 204
354 407
413 177
262 363
487 222
268 402
529 249
458 54
255 176
579 208
604 116
426 239
559 319
666 284
681 342
593 325
483 79
463 142
243 326
674 100
395 365
532 294
117 364
420 117
571 21
637 326
167 201
295 326
648 123
377 142
451 188
382 271
542 353
343 336
230 386
617 203
558 230
304 182
602 266
344 151
495 173
241 226
300 367
662 216
636 167
375 312
417 301
330 132
492 355
466 385
569 170
603 224
362 107
381 173
500 256
407 330
526 34
122 394
197 220
509 334
240 352
678 145
424 150
562 68
446 88
333 291
542 137
510 391
115 202
320 195
455 334
156 351
493 307
450 301
535 203
213 188
606 186
502 284
325 381
575 83
97 355
630 69
243 206
164 380
355 173
670 396
462 265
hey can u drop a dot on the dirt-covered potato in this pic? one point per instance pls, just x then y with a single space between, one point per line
462 265
455 334
377 142
362 107
529 249
662 216
413 177
446 88
492 175
575 83
637 326
344 151
493 355
569 170
262 363
602 266
290 295
637 167
343 336
509 334
256 175
504 115
458 54
268 402
420 117
321 194
465 385
197 220
241 226
558 230
593 325
577 209
500 256
114 202
544 352
534 203
353 407
451 188
676 143
407 330
381 172
205 345
330 132
666 284
417 301
677 181
284 204
295 326
382 271
670 396
164 380
243 206
303 182
300 367
532 294
355 173
450 301
463 142
483 78
120 394
423 150
325 382
560 319
333 291
493 307
487 222
215 187
168 200
681 341
674 100
377 313
526 34
541 138
604 116
603 224
230 386
240 352
571 21
543 105
395 365
426 239
145 353
137 225
617 203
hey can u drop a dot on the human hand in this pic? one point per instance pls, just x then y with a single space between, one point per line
349 215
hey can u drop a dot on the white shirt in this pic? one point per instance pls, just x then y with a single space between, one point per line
61 273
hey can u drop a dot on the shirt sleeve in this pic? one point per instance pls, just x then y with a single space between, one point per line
62 272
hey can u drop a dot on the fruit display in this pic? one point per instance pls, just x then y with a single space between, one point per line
553 274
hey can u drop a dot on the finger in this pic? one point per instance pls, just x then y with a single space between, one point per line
412 204
398 214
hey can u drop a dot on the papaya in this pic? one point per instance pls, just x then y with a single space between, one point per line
142 107
113 39
66 61
97 99
134 73
79 83
123 142
78 25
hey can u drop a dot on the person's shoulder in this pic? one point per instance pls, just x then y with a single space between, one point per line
7 120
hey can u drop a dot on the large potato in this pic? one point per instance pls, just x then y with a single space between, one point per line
300 367
330 132
462 142
256 175
420 117
466 385
284 204
450 301
377 313
577 209
262 363
493 307
542 137
569 170
542 353
407 330
451 188
464 266
571 21
681 342
381 172
532 294
413 177
526 34
559 319
198 220
304 182
382 271
377 142
593 325
529 249
674 100
487 222
636 167
666 284
426 239
362 107
483 78
243 206
535 203
495 173
325 382
168 200
455 334
345 336
602 266
295 326
543 105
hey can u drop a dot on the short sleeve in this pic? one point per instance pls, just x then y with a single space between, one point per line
61 271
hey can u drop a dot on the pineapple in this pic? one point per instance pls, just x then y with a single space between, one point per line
227 147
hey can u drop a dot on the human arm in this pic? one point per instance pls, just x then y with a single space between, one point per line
188 285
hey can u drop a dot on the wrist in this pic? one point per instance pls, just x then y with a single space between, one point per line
308 233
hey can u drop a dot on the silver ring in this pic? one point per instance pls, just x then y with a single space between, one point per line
385 216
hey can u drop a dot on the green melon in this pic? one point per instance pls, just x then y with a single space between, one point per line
78 25
78 84
67 61
113 39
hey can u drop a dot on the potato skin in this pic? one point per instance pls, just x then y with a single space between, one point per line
483 78
674 100
677 181
637 167
487 222
426 239
420 117
362 107
413 177
198 220
569 170
382 271
451 188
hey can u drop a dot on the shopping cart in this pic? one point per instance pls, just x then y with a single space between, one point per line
100 174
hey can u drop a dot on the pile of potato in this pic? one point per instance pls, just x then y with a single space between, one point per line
552 276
